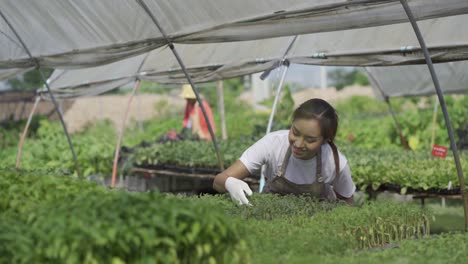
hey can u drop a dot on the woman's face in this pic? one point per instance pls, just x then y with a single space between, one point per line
305 138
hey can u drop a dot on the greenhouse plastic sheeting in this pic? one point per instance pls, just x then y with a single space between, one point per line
9 73
416 80
382 45
69 33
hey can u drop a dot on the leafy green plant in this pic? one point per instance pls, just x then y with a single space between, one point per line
54 220
341 77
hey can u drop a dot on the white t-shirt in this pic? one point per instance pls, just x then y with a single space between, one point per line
271 149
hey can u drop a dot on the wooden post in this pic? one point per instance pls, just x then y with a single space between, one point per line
25 132
121 131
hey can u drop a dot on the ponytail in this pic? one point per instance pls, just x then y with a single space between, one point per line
335 157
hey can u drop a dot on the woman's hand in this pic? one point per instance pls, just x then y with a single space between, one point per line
231 181
238 190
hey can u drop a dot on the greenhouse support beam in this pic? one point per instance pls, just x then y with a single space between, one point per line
187 75
138 96
272 115
121 131
283 62
277 95
36 62
443 106
25 132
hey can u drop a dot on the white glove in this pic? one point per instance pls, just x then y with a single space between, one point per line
237 189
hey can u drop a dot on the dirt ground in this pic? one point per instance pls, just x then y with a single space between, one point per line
91 109
112 107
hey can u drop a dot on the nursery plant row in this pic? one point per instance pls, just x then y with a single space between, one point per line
52 218
375 169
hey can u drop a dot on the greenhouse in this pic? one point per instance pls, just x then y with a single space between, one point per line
97 165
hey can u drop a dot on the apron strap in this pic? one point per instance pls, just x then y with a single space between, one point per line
285 163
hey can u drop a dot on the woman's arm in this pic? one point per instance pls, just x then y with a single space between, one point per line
236 170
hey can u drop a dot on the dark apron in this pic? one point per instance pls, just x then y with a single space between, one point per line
280 185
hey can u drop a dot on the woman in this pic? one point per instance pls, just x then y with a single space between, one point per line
301 160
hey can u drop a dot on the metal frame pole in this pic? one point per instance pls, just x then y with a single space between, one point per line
270 120
121 131
187 75
48 89
25 132
403 140
443 106
284 62
278 93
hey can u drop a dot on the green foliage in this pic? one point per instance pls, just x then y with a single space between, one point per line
53 219
285 229
341 77
369 133
370 168
25 190
374 154
271 206
241 120
98 226
371 126
95 146
417 125
361 79
30 80
190 153
284 108
152 87
244 123
56 219
407 169
446 248
232 88
153 129
10 131
366 107
94 149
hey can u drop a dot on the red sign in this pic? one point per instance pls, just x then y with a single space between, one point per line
439 151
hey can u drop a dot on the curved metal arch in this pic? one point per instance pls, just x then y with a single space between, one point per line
443 106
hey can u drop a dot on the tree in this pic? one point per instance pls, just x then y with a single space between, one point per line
30 80
342 77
